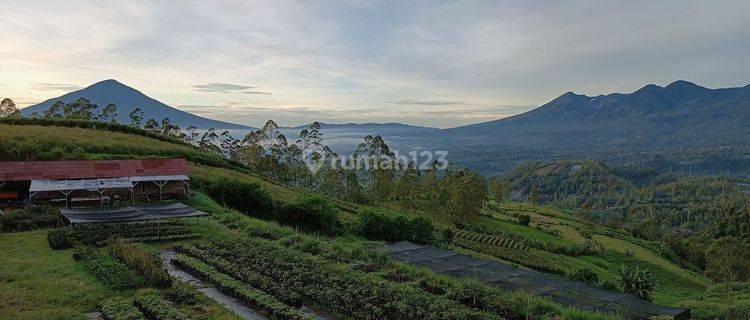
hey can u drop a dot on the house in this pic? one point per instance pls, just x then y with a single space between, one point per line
87 182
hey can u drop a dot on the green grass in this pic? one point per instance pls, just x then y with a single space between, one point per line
674 283
39 283
53 143
722 301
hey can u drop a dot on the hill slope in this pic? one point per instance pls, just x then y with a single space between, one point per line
127 99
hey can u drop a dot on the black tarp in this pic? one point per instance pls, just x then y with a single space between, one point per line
130 214
510 277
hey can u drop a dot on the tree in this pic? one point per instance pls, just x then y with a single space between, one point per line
533 195
407 187
190 134
207 140
353 188
168 128
8 108
109 113
81 109
728 260
151 125
136 117
467 193
496 189
54 110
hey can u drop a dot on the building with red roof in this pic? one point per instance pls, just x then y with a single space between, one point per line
86 181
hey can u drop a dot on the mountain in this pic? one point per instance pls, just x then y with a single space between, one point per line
681 113
127 99
682 124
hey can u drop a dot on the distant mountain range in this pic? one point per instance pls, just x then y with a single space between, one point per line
127 99
680 114
682 126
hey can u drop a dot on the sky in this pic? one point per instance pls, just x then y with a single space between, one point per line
433 63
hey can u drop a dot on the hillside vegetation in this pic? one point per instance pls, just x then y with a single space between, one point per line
326 238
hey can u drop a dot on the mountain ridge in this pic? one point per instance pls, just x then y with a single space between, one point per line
128 98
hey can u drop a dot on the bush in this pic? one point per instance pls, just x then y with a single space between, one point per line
110 271
155 307
311 212
256 298
336 288
584 275
138 258
380 225
636 281
182 293
120 309
470 293
59 239
524 220
447 235
30 219
246 197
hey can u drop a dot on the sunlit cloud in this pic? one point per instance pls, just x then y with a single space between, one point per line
226 88
56 87
426 103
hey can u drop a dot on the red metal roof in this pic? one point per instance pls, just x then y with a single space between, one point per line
90 169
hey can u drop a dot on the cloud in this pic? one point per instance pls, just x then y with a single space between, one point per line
426 102
56 87
226 88
442 61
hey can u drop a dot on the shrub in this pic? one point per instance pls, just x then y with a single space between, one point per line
256 298
246 197
380 225
470 293
30 219
110 271
311 212
138 258
636 281
155 307
120 309
182 293
524 220
584 275
59 239
335 288
447 235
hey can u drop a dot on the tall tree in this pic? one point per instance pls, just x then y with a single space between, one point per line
533 194
81 109
496 188
54 110
728 260
151 125
136 117
8 108
108 113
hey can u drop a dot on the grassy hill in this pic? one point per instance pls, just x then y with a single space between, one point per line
555 240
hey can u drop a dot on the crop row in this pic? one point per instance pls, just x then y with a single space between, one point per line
514 243
334 287
520 242
155 307
250 278
529 258
120 309
256 298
